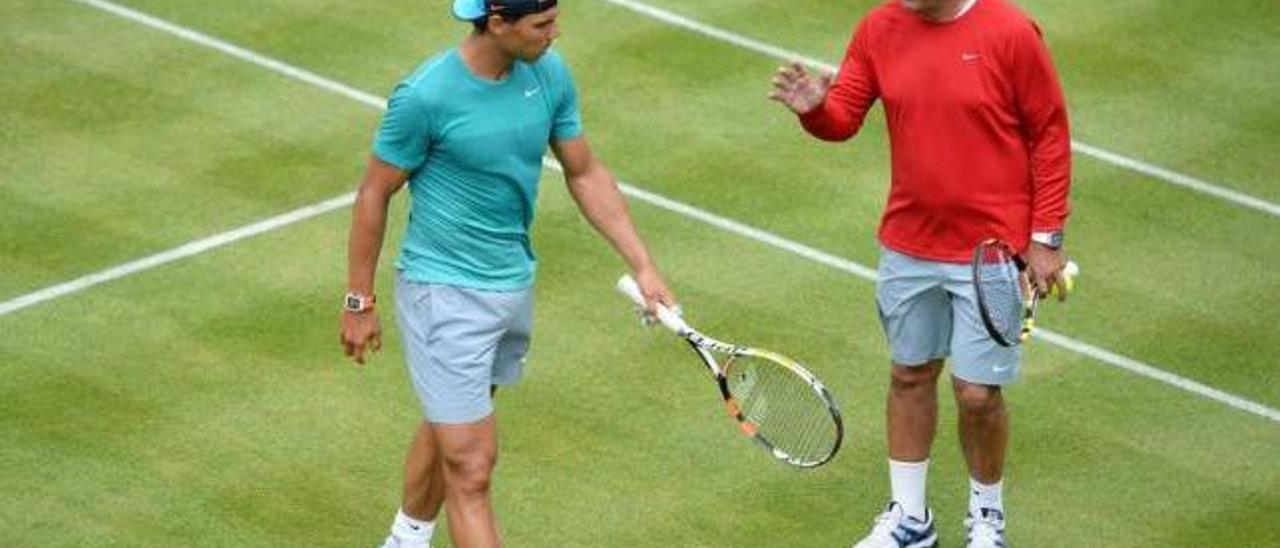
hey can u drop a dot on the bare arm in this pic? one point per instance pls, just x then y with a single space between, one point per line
596 192
364 245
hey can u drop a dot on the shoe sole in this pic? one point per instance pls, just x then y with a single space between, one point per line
931 542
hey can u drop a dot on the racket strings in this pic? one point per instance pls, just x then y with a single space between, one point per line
1000 287
787 411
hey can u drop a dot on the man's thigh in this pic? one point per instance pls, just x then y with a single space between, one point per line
914 307
975 356
452 337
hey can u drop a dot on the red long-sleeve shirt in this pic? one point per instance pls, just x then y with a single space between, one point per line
977 126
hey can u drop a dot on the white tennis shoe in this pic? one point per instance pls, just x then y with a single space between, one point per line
986 530
895 529
393 542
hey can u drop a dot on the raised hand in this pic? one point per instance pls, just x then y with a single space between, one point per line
801 92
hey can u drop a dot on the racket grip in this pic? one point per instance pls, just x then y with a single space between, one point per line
627 286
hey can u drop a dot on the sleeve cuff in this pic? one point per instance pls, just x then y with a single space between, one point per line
391 157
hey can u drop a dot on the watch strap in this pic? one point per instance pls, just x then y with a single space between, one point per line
356 302
1048 238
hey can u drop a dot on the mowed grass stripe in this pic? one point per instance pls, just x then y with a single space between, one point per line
142 143
238 52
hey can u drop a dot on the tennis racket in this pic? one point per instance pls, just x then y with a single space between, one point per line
776 402
1006 297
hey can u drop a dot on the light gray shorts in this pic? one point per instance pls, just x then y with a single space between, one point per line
929 312
458 342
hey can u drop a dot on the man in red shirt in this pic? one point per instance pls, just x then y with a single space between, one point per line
980 149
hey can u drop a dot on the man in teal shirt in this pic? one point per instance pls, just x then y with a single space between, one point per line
467 131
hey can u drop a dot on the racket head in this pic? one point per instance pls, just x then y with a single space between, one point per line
1000 283
782 406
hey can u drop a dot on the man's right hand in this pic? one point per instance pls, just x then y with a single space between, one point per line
801 92
360 331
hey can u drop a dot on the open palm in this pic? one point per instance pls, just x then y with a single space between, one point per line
801 92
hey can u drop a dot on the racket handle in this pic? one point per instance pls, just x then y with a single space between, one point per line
627 286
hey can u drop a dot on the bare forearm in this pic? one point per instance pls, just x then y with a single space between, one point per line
369 222
601 202
364 245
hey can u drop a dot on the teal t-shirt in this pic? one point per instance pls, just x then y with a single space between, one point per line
474 150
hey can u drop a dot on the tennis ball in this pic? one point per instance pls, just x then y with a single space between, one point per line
1066 286
1068 279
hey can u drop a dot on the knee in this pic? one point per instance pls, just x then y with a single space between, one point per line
922 377
978 399
470 473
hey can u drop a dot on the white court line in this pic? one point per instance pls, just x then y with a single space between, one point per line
238 52
218 240
180 252
1150 170
1104 356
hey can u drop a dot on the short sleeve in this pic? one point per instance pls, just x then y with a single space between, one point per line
567 124
405 132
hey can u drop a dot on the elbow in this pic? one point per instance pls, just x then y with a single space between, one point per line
368 190
373 193
835 137
831 132
580 177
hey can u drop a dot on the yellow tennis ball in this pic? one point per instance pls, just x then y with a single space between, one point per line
1068 277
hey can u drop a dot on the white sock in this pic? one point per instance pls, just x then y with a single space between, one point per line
982 495
414 532
906 480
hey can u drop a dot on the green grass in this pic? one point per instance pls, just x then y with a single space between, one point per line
205 402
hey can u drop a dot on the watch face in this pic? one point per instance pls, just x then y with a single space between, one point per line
1051 239
353 303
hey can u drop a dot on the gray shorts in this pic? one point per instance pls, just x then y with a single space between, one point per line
458 342
929 312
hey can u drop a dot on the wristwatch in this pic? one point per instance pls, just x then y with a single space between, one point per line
1051 239
357 302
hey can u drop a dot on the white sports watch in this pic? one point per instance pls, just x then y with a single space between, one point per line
356 303
1051 239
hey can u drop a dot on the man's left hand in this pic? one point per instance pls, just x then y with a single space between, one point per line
1045 266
